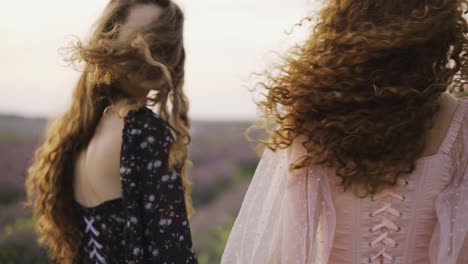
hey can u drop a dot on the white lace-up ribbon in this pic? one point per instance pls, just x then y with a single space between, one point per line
385 223
92 242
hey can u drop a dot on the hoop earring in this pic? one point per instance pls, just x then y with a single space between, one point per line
106 110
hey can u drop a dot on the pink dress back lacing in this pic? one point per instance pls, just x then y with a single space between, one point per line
303 217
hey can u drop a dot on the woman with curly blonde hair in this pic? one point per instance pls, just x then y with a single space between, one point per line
367 158
109 183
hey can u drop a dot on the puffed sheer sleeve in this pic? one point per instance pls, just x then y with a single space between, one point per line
157 228
449 243
286 217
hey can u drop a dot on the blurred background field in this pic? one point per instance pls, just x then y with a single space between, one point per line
224 163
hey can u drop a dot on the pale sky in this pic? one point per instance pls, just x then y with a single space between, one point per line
226 41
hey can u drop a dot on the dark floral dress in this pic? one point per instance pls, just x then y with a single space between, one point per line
149 223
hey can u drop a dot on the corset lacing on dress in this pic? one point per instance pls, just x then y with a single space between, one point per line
386 224
94 254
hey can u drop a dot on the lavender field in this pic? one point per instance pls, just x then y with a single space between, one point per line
223 164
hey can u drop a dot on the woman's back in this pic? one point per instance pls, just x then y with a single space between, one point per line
397 225
302 216
97 176
107 190
353 105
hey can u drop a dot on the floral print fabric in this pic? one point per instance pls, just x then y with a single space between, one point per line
149 223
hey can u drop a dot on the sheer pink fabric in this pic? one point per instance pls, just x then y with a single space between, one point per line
292 218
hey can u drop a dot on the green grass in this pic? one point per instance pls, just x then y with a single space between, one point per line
18 244
211 242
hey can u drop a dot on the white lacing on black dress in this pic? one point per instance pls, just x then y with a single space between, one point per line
386 225
92 243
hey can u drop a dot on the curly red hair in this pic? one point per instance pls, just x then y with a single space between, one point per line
364 87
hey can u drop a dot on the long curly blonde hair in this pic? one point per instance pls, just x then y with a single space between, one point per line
155 51
363 88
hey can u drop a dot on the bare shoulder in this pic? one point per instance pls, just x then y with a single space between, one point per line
449 101
97 170
442 121
108 130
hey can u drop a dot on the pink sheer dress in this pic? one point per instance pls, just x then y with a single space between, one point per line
303 217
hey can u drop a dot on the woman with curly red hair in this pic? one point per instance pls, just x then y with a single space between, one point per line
367 157
109 183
